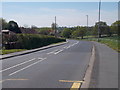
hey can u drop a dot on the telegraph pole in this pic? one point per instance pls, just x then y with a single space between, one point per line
99 20
55 28
87 24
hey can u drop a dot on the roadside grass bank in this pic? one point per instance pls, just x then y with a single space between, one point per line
112 42
11 51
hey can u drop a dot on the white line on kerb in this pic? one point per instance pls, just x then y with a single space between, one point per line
17 65
26 67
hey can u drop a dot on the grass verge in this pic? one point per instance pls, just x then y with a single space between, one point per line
17 50
11 51
112 42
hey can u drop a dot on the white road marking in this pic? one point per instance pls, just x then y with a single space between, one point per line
40 58
58 51
26 67
68 47
65 47
17 65
52 51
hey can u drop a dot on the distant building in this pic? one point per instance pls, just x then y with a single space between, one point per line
7 32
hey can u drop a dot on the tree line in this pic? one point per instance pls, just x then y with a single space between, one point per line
66 32
81 31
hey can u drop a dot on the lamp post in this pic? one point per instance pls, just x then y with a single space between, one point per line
99 20
87 24
55 27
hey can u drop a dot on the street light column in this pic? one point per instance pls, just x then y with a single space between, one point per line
87 24
55 27
99 20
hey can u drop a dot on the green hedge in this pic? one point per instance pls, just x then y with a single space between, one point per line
31 41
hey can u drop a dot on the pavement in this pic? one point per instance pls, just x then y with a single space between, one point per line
105 70
62 66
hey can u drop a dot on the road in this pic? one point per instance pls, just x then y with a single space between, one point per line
56 67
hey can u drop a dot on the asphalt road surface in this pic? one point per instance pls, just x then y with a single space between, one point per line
56 67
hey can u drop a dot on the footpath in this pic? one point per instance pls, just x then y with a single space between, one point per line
105 69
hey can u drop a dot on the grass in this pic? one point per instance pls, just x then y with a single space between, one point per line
11 51
112 42
17 50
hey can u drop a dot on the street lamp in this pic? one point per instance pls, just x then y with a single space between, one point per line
99 20
87 25
55 26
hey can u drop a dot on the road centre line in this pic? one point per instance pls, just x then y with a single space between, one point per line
59 51
52 51
26 67
65 47
17 65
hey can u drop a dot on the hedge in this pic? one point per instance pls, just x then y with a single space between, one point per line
31 41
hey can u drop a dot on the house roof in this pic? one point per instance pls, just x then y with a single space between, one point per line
5 30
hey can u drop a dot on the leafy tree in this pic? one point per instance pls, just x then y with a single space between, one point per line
3 24
103 28
34 27
54 28
45 31
66 33
13 26
115 27
82 31
76 34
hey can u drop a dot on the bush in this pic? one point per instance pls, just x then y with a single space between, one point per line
31 41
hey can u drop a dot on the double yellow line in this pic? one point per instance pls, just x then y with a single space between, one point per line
76 84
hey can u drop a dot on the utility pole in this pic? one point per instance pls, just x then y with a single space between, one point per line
55 28
87 24
99 20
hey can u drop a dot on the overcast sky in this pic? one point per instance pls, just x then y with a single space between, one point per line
42 14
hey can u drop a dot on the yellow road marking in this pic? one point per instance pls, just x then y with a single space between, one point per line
70 81
12 80
75 86
15 79
2 81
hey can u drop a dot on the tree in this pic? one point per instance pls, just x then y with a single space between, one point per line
76 34
82 31
103 28
54 27
66 33
3 24
115 27
13 26
33 27
45 31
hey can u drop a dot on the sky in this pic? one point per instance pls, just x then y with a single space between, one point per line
41 14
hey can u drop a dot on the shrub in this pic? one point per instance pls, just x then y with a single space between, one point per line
30 41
